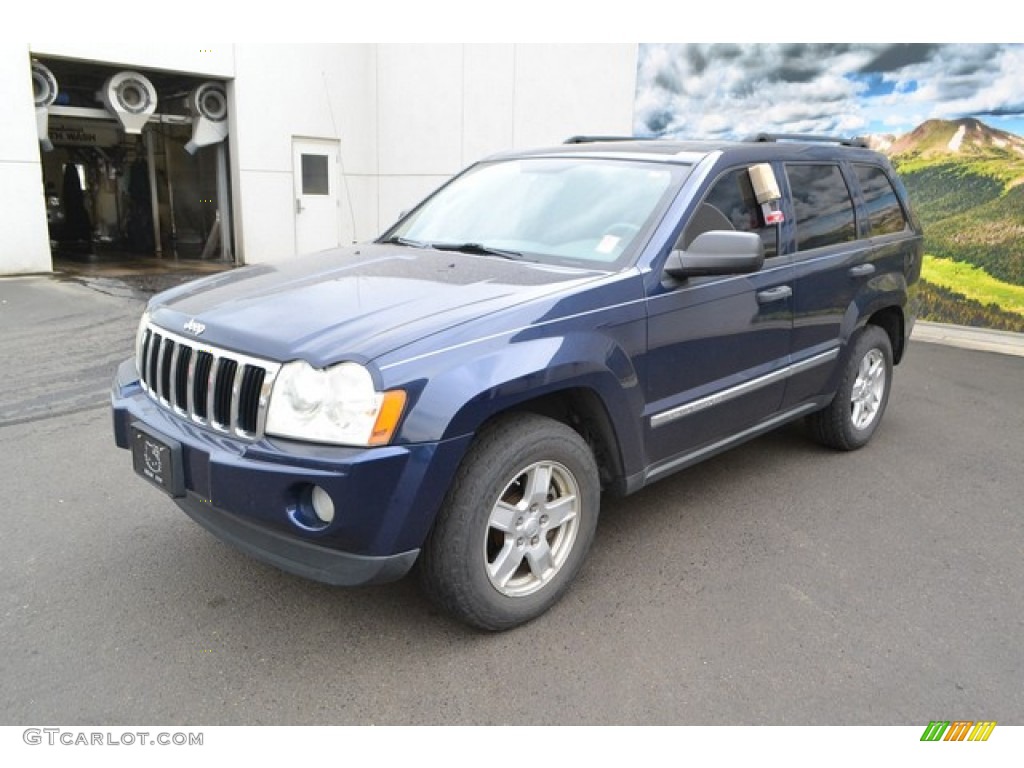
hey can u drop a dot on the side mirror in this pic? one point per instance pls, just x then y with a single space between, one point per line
717 253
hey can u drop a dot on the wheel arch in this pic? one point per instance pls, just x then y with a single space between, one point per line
582 409
881 302
580 405
891 320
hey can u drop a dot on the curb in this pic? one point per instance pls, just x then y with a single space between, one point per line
1002 342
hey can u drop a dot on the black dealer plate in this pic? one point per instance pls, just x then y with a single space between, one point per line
158 459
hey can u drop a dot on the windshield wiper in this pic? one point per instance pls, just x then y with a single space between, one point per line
477 248
408 242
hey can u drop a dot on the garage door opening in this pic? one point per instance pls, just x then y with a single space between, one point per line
135 168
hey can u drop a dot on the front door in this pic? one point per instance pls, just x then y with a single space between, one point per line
717 356
718 347
316 169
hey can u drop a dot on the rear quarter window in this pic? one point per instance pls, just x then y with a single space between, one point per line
885 214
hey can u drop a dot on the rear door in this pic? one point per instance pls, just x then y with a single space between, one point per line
829 267
845 254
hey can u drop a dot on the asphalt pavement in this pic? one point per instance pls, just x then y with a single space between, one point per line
780 583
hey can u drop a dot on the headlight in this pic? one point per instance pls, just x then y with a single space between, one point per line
337 405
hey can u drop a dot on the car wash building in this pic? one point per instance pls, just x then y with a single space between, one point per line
255 153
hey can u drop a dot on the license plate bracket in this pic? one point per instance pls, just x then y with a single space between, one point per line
158 459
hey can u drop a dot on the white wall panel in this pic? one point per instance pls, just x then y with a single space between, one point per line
26 240
489 96
504 96
18 139
565 90
362 195
420 108
307 91
267 217
316 91
400 193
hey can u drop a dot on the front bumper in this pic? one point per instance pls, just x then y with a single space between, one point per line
255 495
295 555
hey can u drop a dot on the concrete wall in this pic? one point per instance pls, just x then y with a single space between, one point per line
309 91
442 107
407 117
24 238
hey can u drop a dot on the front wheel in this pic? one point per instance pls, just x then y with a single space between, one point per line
852 417
516 525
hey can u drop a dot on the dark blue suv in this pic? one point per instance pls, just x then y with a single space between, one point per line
547 326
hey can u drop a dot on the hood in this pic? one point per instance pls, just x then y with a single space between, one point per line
354 303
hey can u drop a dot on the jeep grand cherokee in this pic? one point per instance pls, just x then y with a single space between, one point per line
548 326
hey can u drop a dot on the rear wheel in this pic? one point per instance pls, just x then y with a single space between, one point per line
854 414
516 525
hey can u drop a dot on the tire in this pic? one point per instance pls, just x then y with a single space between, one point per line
852 417
516 524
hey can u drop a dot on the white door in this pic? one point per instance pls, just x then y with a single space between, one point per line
316 170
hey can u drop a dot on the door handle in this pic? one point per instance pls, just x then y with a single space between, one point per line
862 270
298 205
774 294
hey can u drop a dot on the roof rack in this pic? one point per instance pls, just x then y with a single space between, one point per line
811 137
592 139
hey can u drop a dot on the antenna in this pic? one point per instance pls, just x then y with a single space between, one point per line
341 162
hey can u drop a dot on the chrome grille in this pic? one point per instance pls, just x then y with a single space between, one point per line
226 391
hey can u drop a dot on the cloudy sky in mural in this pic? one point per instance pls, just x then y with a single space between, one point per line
731 91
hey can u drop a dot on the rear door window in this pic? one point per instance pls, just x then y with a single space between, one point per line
823 205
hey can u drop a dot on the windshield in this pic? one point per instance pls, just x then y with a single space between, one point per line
564 210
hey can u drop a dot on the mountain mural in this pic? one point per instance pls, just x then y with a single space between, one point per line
966 182
950 115
967 137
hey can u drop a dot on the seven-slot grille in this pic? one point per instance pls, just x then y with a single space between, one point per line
223 390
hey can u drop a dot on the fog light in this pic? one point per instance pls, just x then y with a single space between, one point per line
323 505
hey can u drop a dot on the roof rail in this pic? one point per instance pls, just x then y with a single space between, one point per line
811 137
591 139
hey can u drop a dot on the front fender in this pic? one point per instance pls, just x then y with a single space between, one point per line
458 396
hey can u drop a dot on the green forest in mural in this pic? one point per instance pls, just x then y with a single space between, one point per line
966 182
